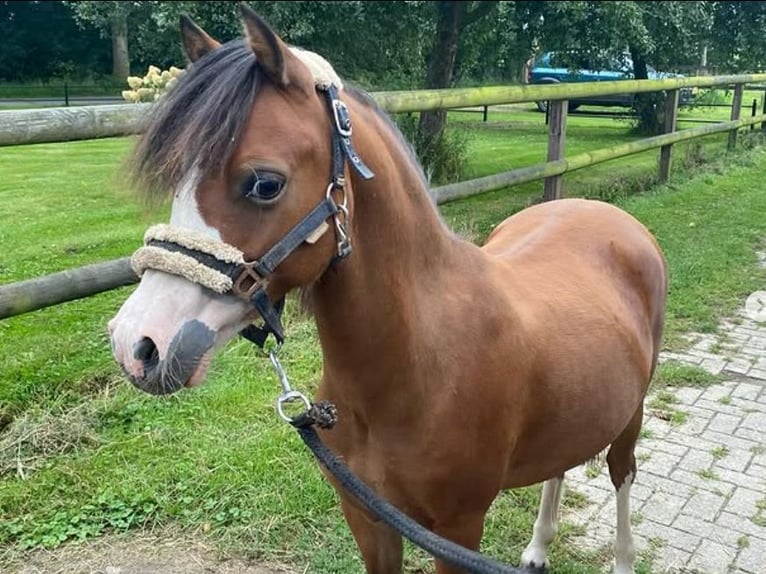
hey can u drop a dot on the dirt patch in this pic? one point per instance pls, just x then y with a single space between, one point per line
168 553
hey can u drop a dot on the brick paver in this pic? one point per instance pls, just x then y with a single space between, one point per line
699 500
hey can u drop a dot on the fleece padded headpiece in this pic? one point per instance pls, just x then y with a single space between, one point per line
158 254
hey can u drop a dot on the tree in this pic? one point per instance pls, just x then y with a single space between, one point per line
42 41
736 37
111 18
378 45
597 34
497 48
452 19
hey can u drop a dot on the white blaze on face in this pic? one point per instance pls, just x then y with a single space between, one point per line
163 304
185 209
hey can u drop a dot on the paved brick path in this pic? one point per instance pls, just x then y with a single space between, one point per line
699 500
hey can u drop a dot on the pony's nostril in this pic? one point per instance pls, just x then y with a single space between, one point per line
146 352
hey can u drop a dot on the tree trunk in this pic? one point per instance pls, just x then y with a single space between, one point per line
648 106
703 60
640 71
441 63
120 57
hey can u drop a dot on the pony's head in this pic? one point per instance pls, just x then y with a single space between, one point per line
252 143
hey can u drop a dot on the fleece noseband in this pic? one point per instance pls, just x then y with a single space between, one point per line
222 268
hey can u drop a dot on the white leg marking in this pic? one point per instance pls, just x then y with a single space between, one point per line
624 549
185 210
535 555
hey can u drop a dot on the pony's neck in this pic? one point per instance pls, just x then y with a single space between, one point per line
367 307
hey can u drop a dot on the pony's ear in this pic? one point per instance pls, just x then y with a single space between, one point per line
270 51
195 40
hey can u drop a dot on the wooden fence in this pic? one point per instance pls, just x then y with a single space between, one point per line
56 125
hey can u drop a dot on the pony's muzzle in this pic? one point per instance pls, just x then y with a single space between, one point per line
180 365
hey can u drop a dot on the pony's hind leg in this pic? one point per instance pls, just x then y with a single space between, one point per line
535 555
622 470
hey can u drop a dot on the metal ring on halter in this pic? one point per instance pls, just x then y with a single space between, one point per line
344 244
344 241
340 228
332 186
288 397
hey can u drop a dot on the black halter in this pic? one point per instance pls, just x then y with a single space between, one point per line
251 278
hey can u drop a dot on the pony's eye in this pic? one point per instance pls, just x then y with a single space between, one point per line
263 187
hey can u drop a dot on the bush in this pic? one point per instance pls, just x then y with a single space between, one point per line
443 158
151 87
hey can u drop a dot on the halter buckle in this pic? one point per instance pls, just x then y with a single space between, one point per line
243 290
342 118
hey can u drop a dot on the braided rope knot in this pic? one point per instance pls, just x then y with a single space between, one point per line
323 414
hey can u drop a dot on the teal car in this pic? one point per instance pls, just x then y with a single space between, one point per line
549 68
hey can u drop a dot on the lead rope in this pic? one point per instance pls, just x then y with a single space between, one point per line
324 415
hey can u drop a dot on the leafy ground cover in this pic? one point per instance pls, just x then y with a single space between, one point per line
83 454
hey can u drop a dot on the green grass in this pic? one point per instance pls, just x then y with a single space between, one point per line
97 456
519 138
662 406
707 474
743 542
719 452
676 374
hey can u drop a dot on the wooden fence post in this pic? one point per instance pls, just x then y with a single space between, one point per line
753 111
763 96
736 109
666 151
557 130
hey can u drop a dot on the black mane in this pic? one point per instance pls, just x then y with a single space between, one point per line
200 120
201 117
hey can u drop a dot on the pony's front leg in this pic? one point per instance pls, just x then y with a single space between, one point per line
380 545
467 532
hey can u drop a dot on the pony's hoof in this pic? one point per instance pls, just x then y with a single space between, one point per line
533 568
534 559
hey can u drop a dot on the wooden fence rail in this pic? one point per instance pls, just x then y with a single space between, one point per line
53 125
33 294
47 125
56 124
561 166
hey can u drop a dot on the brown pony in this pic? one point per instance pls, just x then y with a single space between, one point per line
457 371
